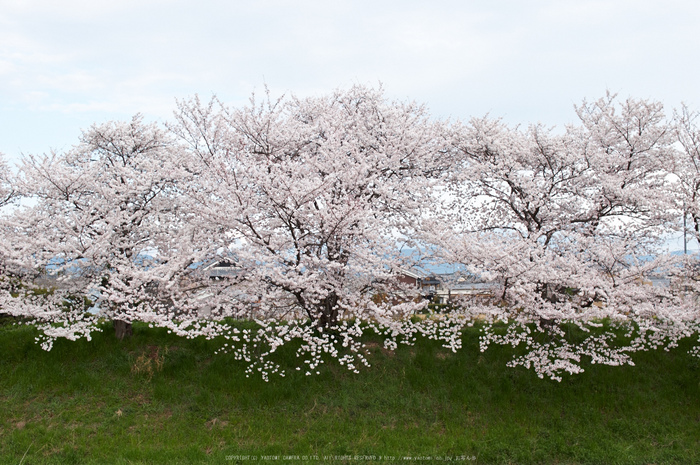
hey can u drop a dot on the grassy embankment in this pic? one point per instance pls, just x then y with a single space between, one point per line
87 402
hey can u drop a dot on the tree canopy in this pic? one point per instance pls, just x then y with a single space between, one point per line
322 209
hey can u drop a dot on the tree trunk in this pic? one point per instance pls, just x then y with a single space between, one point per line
329 312
122 329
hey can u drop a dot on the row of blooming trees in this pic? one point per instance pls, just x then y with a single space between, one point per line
322 203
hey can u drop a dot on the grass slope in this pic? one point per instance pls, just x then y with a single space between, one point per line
84 402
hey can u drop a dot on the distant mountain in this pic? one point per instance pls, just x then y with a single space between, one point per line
690 252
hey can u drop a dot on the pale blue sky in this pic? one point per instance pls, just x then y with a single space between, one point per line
67 64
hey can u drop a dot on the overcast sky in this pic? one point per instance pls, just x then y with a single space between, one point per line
66 64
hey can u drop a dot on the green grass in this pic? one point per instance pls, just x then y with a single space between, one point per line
84 403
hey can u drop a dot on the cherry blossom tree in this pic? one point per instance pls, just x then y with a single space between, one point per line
686 171
103 221
687 166
314 197
569 224
8 196
314 200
